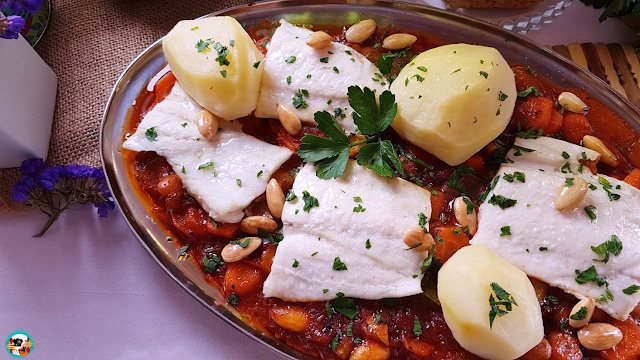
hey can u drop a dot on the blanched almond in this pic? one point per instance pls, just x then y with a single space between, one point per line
361 31
398 41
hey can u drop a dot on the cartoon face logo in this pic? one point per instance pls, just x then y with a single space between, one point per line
19 344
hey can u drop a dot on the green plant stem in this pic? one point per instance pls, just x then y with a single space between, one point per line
55 212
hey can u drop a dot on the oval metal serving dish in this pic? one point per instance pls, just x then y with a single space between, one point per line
442 24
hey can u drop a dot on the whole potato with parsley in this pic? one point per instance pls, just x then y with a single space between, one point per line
454 99
490 305
217 64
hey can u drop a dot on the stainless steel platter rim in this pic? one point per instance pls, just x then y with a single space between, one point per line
295 6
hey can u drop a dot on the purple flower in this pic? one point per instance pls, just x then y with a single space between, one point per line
18 6
77 171
48 177
11 26
98 174
103 208
20 191
31 166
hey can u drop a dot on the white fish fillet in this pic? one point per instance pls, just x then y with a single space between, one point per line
221 172
325 81
333 230
551 245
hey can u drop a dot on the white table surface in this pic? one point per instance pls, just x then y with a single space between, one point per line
89 290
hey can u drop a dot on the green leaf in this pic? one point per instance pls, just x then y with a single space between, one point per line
151 133
417 327
580 314
367 116
332 167
380 157
338 265
345 306
309 202
528 91
631 289
315 148
328 125
211 262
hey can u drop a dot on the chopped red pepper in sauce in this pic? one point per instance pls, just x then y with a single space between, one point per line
386 327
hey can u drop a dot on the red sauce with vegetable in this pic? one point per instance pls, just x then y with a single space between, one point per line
385 328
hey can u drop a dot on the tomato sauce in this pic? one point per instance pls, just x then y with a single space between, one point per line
385 327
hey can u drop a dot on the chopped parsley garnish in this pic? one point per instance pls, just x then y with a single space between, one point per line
350 329
331 154
335 69
426 263
357 199
288 80
211 262
298 99
290 195
520 149
256 64
502 201
239 182
274 239
151 133
309 201
385 61
515 176
484 195
589 210
203 45
359 208
324 60
501 306
606 185
206 165
290 60
580 314
565 155
422 68
377 318
568 182
232 43
368 244
455 179
505 230
345 306
418 77
223 51
532 133
590 275
265 41
543 248
295 263
260 173
612 246
528 91
502 96
470 205
631 289
551 300
223 73
339 265
484 74
184 252
422 222
183 124
417 327
233 300
241 243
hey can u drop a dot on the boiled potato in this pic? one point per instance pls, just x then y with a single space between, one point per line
454 99
464 288
228 86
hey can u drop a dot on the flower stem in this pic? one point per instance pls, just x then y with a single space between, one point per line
55 212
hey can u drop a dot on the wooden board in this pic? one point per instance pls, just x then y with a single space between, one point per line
617 64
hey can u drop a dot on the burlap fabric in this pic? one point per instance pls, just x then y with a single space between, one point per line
88 44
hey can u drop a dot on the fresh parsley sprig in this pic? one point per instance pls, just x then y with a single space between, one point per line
331 154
